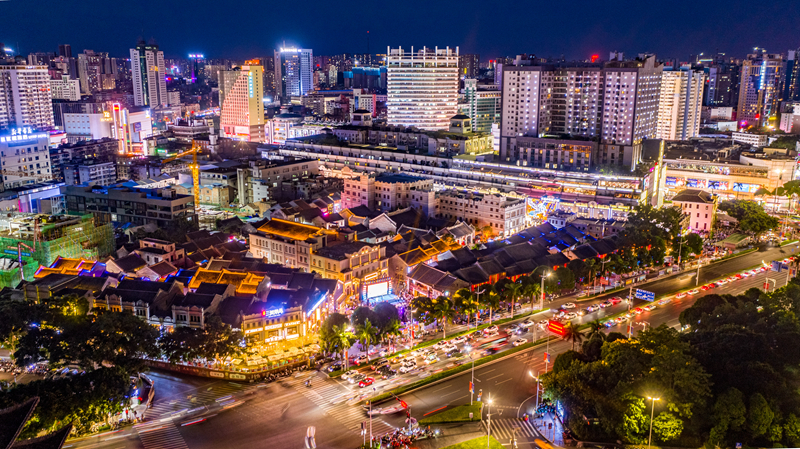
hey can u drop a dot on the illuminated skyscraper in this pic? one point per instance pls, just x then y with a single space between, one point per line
422 87
679 104
760 89
149 75
242 102
294 73
25 98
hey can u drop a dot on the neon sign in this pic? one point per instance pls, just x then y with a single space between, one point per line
272 313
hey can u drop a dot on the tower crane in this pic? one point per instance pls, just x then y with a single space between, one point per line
195 171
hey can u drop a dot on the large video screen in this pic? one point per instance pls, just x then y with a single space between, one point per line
378 289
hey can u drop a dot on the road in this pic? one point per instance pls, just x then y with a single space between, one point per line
278 414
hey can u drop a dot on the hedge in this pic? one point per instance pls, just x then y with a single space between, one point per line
459 413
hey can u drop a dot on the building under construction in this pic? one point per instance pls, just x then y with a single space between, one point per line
38 239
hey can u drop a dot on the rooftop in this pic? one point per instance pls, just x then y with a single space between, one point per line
290 229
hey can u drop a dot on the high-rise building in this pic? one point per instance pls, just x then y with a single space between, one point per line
25 98
760 89
294 73
422 87
482 104
722 87
149 75
468 65
65 50
791 86
65 88
680 103
242 103
616 103
94 69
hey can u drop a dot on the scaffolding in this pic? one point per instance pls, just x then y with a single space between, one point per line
52 236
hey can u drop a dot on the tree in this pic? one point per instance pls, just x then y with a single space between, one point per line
667 427
465 302
759 416
343 340
751 216
391 330
512 291
327 331
729 415
219 341
366 334
572 334
490 299
595 328
443 312
361 315
385 313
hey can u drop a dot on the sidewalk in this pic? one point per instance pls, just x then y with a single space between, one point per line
551 428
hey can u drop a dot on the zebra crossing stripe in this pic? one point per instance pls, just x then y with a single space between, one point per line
165 436
504 428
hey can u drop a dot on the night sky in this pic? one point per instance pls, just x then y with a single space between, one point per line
247 28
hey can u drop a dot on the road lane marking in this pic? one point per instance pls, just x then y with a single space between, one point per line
495 377
498 383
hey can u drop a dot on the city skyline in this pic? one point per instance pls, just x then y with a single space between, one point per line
632 27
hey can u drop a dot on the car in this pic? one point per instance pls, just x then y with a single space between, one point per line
492 350
431 358
490 333
383 369
572 316
630 314
428 352
388 374
527 323
746 273
593 308
398 359
621 319
693 292
358 377
734 278
722 282
569 305
474 335
460 339
492 328
707 287
348 374
681 295
605 304
638 310
649 307
512 328
615 300
518 341
440 344
360 360
407 368
377 364
367 381
453 353
609 323
335 366
449 348
664 301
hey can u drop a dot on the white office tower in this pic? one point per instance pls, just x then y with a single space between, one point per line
25 98
294 72
680 104
149 75
241 97
422 87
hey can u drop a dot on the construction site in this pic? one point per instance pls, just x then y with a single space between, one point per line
33 240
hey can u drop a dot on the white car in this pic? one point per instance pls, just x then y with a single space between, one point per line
569 305
449 348
693 292
519 341
460 339
490 329
407 367
572 315
440 344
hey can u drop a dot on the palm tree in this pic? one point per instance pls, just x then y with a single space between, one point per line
573 335
465 302
491 300
595 328
443 310
512 291
592 266
392 329
342 337
366 334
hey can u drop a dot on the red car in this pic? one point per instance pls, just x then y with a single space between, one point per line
638 310
615 300
366 382
704 288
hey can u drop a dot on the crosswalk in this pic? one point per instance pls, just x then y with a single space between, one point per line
172 405
162 436
332 398
503 429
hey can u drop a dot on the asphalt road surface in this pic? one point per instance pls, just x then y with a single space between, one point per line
191 412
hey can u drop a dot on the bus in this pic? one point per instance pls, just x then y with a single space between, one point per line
496 340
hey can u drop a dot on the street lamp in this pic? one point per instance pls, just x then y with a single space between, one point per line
541 305
489 426
468 349
536 378
652 410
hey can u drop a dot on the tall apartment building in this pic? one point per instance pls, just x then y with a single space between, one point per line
294 72
384 192
65 89
96 71
422 87
242 104
483 104
616 104
25 98
722 88
149 75
469 65
760 89
680 104
791 85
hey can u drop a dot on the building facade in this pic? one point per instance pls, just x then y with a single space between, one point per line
760 89
161 207
242 104
25 97
680 104
25 157
65 88
483 105
149 75
422 87
383 192
294 72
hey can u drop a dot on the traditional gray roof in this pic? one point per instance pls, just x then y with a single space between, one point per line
694 196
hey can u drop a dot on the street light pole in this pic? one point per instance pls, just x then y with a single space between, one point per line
652 411
489 426
541 304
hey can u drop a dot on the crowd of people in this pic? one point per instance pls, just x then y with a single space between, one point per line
402 438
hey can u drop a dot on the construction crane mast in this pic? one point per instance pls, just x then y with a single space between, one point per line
195 171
